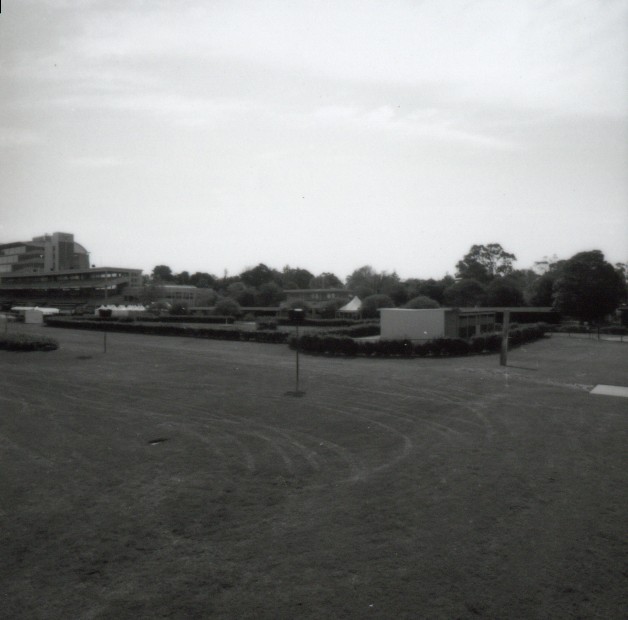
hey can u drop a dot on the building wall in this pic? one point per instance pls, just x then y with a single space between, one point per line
401 324
46 253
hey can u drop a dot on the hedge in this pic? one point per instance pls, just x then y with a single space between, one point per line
25 342
331 323
163 329
615 330
339 345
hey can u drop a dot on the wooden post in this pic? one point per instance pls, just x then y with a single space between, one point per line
503 358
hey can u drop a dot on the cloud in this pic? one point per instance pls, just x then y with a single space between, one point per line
430 123
12 136
97 162
558 55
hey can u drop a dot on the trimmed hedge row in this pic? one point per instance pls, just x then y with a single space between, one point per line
328 344
25 342
615 330
357 331
329 322
161 329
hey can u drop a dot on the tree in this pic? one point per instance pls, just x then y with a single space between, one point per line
588 287
260 275
182 278
162 273
202 280
269 294
227 307
366 279
422 302
485 262
503 292
326 280
295 278
371 304
542 290
465 293
244 295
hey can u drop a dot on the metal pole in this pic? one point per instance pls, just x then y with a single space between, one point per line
297 347
105 334
503 358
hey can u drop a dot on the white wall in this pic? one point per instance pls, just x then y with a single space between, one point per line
400 324
35 317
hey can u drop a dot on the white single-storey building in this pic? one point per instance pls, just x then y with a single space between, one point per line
427 324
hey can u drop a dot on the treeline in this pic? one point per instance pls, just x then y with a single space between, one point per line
584 286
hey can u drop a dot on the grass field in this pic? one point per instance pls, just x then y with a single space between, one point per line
173 478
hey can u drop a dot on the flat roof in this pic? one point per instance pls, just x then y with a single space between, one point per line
475 310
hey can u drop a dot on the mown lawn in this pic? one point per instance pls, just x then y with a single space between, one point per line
172 477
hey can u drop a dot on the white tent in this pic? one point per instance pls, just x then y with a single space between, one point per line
121 311
353 308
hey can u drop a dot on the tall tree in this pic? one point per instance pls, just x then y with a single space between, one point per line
256 276
541 292
503 292
367 279
588 287
202 280
182 278
162 273
295 277
326 280
485 262
269 294
465 293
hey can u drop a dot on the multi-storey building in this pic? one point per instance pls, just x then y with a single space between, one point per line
54 269
56 252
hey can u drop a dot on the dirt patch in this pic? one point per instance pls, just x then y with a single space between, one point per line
446 488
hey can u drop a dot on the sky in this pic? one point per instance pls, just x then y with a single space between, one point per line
213 135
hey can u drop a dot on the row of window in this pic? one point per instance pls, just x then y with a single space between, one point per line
11 251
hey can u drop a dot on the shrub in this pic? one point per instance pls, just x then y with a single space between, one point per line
477 344
422 302
267 324
25 342
227 307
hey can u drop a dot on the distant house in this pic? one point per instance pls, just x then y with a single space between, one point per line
317 301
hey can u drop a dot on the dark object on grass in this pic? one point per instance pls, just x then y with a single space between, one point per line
24 342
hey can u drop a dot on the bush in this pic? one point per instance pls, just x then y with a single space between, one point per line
268 324
24 342
227 307
422 302
330 343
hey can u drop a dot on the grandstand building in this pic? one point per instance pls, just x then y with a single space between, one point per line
54 270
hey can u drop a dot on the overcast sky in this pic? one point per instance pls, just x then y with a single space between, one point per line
212 135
